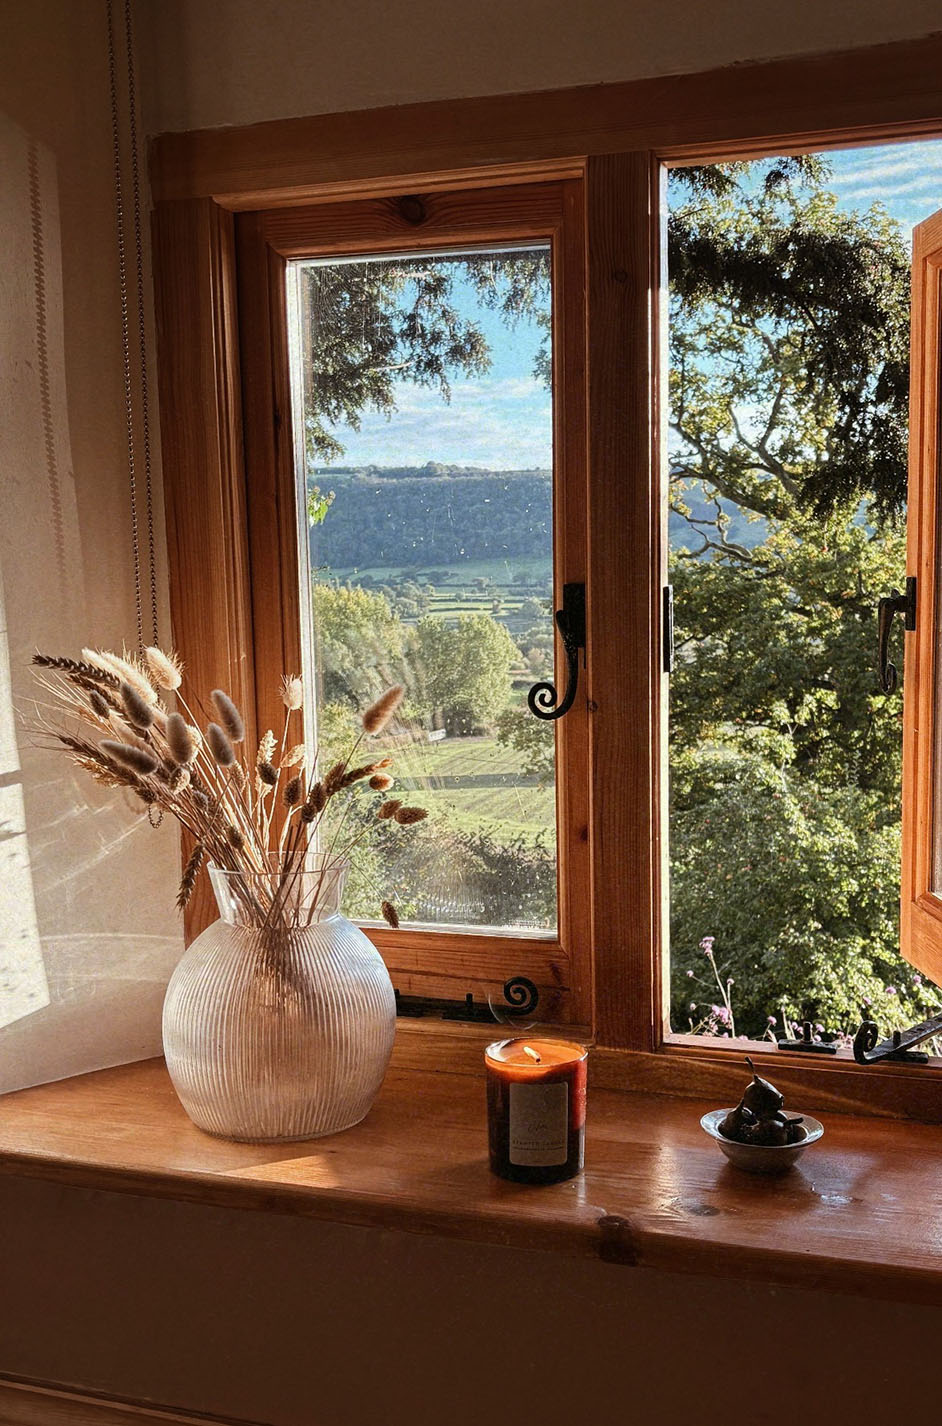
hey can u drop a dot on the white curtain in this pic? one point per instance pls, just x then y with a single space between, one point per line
88 935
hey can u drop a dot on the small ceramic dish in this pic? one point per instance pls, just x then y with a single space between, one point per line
761 1158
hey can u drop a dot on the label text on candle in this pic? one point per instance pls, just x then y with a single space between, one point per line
539 1124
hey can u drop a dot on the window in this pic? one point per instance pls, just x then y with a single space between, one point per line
424 438
423 350
787 472
582 175
922 881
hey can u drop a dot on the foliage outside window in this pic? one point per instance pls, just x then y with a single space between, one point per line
432 565
789 333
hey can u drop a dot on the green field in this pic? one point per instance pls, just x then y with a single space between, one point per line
474 784
499 571
454 591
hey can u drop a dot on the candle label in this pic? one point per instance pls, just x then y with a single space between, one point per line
539 1124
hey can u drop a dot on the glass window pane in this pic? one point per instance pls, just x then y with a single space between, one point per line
789 335
423 413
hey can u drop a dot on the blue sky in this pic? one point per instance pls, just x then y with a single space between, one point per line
503 421
906 178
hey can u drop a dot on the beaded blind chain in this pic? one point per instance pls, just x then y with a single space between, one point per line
126 325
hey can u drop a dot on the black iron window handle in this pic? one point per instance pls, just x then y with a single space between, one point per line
899 1046
543 700
893 604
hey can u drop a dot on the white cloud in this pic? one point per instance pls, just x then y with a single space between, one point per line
504 425
887 193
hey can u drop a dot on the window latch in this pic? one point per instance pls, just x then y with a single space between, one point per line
668 628
520 994
899 1046
543 700
891 605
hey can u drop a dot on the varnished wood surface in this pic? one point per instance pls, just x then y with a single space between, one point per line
879 92
625 559
27 1403
921 918
437 962
862 1213
201 439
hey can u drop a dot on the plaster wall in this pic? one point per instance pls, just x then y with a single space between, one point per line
243 61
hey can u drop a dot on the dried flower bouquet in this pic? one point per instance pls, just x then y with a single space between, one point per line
133 729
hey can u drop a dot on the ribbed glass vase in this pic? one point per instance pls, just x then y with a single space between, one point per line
279 1020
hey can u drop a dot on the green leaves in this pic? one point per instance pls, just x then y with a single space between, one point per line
789 344
463 670
788 338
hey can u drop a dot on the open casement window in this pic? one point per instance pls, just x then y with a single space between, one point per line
240 217
921 920
367 550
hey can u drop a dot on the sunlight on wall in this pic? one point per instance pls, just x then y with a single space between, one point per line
23 987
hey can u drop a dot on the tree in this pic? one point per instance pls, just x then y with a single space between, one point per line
360 644
462 671
787 469
531 609
533 738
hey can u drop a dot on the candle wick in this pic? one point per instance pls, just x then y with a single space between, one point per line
532 1053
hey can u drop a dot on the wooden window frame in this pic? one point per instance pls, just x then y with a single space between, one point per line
442 963
921 908
616 139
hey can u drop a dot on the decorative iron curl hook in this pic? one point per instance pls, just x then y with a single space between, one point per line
521 994
543 700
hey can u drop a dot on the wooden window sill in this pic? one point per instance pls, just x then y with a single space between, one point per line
862 1213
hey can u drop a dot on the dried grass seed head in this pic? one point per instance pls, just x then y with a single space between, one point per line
292 792
128 670
407 816
266 748
316 801
99 704
95 659
356 774
76 668
292 692
229 715
190 873
220 746
180 740
165 669
390 914
334 779
139 760
381 781
138 711
294 755
267 774
388 809
377 716
179 780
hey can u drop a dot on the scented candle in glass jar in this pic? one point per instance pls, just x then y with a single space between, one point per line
536 1109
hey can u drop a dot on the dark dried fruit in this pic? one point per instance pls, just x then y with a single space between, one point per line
795 1131
760 1119
736 1120
761 1097
776 1134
